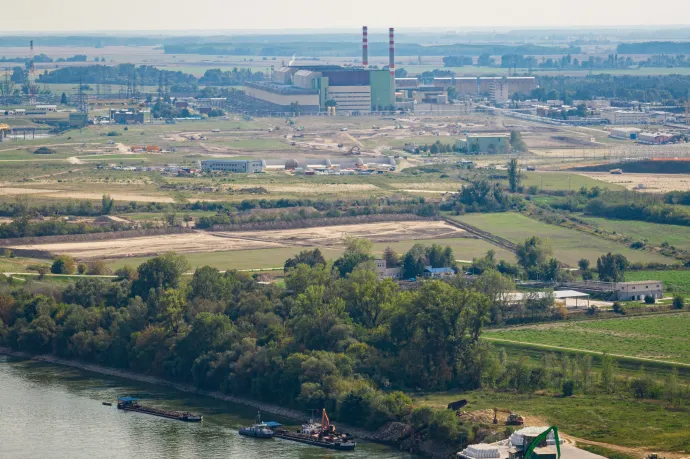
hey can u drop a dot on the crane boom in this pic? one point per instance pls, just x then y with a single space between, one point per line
541 438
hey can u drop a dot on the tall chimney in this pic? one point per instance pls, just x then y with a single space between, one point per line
391 52
391 61
365 47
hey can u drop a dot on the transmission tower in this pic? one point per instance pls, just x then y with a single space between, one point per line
82 99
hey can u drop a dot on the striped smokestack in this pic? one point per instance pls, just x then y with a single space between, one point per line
365 46
391 51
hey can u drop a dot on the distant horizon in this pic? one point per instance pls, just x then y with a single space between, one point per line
223 16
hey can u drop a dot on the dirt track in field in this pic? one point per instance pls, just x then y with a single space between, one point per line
202 241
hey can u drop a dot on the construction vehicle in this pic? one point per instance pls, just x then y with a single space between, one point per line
514 419
541 439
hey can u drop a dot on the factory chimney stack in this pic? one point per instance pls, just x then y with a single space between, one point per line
365 47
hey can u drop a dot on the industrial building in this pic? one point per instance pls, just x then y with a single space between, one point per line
127 116
624 133
625 117
384 272
475 86
654 138
78 119
315 88
232 165
517 445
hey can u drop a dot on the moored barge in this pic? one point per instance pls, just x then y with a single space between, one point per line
130 404
323 435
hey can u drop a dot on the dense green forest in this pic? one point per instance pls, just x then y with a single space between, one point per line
120 74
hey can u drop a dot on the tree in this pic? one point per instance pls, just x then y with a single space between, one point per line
162 272
534 252
583 264
392 258
308 257
295 107
678 302
517 143
63 264
107 204
611 268
63 99
514 175
127 272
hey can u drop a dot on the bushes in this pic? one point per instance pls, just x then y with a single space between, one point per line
64 264
618 308
649 299
44 151
568 388
678 302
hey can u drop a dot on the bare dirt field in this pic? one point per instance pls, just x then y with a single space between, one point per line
650 183
248 240
50 193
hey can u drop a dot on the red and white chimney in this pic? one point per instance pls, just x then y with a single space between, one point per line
365 46
391 51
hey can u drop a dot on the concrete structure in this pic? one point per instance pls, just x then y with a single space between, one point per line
46 108
560 296
636 291
654 138
475 86
499 91
127 116
622 117
234 166
516 446
488 143
625 133
78 119
383 272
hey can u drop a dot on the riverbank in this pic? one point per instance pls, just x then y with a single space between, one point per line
187 388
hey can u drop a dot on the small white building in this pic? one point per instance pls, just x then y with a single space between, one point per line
384 272
625 133
47 108
636 291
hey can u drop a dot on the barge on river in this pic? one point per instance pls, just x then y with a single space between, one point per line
323 435
130 404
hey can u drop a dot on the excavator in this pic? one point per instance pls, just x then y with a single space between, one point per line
514 419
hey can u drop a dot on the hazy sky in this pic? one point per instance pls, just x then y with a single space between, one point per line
110 15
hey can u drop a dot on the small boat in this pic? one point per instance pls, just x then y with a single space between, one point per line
107 403
260 429
130 404
323 435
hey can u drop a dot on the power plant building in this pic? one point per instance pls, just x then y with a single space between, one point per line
234 166
316 88
475 86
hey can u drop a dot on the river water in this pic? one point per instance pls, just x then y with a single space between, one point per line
49 411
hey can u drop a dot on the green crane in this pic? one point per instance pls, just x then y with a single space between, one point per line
541 438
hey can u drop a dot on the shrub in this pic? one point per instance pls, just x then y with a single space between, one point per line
649 299
637 245
97 268
113 134
64 264
44 151
678 302
592 310
618 308
82 268
568 388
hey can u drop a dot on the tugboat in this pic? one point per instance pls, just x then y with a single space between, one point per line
323 435
260 429
130 404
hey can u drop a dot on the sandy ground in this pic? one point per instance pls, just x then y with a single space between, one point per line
314 188
226 241
14 191
652 183
431 186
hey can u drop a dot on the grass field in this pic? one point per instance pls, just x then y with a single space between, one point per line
674 281
551 181
659 337
654 233
463 248
604 418
568 245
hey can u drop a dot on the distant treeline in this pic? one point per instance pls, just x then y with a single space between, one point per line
120 74
286 48
660 88
655 47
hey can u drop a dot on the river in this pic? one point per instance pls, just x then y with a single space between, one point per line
51 411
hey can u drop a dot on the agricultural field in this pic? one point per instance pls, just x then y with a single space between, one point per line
661 338
604 418
648 183
653 233
568 245
675 281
